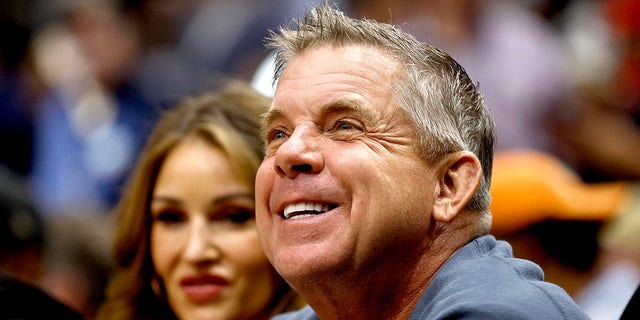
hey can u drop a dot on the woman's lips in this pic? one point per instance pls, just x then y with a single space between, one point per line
203 288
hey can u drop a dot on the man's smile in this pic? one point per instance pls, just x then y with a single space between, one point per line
305 209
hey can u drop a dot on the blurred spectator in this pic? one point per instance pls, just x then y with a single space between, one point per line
61 260
583 235
188 44
112 65
22 249
534 186
78 260
19 300
604 41
93 120
22 234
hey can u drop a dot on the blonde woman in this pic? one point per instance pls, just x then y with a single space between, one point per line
187 245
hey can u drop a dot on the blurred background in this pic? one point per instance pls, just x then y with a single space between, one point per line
83 81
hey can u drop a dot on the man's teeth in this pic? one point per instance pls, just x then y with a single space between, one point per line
304 209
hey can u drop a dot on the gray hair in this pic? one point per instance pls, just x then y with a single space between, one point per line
434 91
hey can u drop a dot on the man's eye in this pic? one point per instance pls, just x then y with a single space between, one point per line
342 125
348 124
275 134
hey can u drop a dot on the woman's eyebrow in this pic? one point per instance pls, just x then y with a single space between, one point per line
168 199
233 196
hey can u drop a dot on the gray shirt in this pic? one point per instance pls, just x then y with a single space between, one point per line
482 280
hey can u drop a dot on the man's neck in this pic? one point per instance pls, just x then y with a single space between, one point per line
390 289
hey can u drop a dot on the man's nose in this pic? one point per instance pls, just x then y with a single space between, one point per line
299 154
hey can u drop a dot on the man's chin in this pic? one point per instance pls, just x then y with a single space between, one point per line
296 264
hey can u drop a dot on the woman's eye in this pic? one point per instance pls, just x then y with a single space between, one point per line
170 217
235 216
240 216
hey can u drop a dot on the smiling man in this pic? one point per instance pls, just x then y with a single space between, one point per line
372 199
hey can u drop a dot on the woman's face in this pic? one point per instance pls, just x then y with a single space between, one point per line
204 243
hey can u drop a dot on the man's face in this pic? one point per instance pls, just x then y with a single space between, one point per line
341 187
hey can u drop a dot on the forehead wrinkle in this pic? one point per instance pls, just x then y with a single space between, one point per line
355 79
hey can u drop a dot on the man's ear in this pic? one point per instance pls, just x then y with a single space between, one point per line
458 181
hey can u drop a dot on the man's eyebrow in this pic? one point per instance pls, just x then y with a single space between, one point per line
348 107
271 116
333 107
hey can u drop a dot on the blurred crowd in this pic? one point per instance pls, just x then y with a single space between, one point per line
83 81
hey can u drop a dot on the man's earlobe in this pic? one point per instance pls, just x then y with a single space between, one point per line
459 181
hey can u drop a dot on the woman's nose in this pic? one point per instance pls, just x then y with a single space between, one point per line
200 246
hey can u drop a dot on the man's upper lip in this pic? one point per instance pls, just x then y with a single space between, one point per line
202 279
